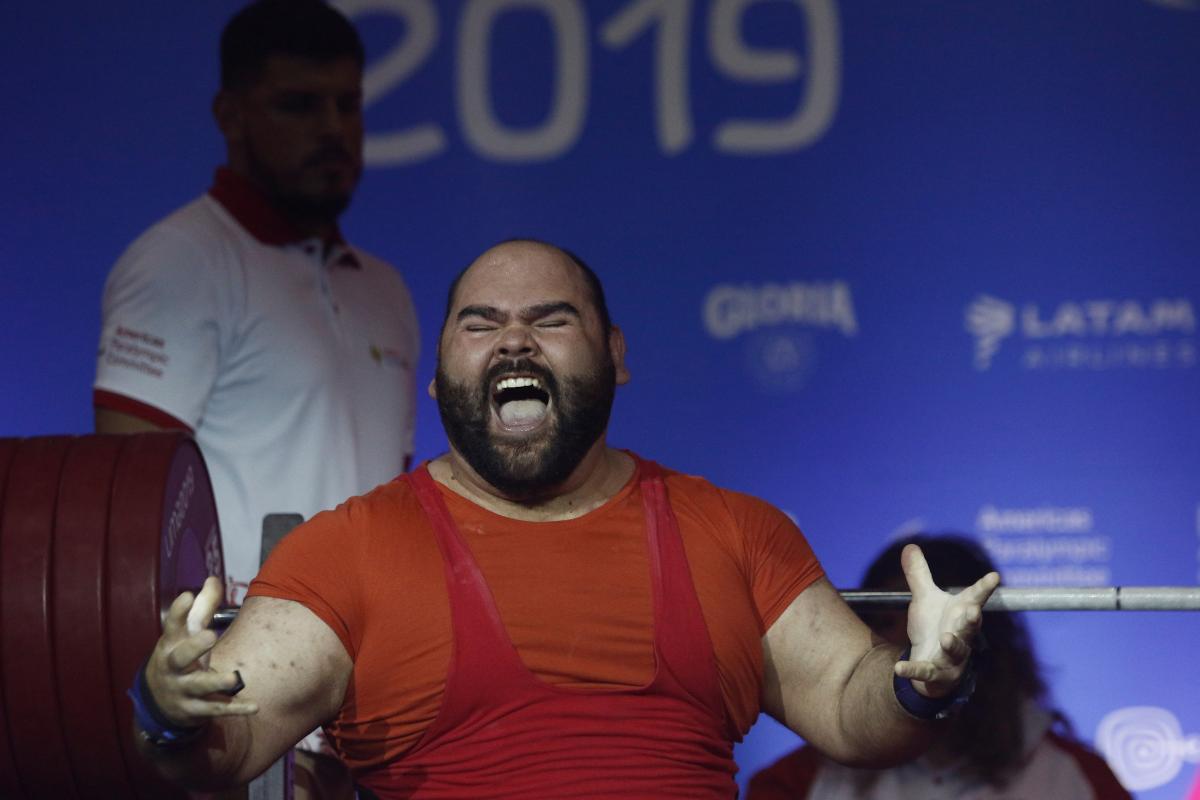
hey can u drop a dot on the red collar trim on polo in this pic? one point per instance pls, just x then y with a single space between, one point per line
247 204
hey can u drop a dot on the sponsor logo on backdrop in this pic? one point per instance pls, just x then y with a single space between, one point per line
778 323
1097 334
1045 545
1145 746
780 362
730 310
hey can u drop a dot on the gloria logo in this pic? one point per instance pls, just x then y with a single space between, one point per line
777 323
1145 746
1096 334
731 310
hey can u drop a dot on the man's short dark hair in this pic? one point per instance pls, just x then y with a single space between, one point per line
595 289
302 28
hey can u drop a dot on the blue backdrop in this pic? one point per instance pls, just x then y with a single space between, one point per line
887 265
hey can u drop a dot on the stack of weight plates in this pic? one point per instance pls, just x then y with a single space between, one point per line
97 535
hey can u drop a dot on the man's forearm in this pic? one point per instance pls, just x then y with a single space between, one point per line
877 731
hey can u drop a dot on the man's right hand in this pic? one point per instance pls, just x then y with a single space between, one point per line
185 690
190 678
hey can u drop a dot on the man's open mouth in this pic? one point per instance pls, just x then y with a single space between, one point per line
520 402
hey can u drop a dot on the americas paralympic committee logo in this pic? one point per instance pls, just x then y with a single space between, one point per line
1145 746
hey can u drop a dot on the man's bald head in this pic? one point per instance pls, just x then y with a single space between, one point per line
594 287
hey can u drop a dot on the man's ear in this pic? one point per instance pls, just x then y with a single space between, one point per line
227 113
616 348
432 389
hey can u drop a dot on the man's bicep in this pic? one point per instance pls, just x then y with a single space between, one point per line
295 669
809 654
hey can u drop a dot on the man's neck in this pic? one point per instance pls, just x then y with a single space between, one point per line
602 473
315 229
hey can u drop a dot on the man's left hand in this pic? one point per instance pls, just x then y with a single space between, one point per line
941 626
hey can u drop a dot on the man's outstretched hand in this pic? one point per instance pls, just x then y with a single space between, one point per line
941 626
184 688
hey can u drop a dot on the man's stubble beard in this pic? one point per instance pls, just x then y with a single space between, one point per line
293 204
527 468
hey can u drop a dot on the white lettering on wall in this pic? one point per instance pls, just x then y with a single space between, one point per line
813 66
814 111
730 310
488 136
1109 318
1096 334
1024 520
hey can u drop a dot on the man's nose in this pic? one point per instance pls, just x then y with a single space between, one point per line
331 120
516 342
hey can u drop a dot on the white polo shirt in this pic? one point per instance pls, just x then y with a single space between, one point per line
294 367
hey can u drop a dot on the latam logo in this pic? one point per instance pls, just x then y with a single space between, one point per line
1085 334
731 310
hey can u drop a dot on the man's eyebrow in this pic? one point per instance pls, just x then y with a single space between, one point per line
490 313
529 313
547 309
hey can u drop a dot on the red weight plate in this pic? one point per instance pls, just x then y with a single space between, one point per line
162 539
9 785
29 675
80 628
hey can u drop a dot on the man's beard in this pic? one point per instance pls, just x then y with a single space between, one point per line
526 468
323 207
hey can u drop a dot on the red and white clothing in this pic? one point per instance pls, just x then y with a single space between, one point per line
291 359
614 654
1053 766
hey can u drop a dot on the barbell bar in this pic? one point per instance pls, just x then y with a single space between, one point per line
1084 598
1098 598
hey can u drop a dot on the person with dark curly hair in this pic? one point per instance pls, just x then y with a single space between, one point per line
1008 741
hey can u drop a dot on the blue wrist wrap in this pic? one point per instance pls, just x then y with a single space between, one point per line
156 729
923 707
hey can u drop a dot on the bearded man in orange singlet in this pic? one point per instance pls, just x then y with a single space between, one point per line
536 614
